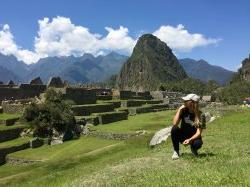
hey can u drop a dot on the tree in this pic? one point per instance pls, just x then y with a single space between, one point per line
54 115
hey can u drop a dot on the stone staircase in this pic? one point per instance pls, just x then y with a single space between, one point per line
115 110
100 113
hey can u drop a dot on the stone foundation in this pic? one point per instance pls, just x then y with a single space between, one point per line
147 108
15 106
80 95
104 97
24 91
110 117
133 103
19 161
110 136
87 120
116 104
86 110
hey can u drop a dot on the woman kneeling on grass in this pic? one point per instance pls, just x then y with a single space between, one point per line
190 131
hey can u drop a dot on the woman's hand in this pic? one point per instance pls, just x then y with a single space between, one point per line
186 142
181 107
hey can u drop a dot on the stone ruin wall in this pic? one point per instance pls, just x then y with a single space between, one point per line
99 91
23 91
15 106
80 95
167 97
123 94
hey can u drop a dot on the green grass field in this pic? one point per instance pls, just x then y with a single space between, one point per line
224 158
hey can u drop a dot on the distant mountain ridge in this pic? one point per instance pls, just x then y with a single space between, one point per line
89 68
12 69
86 68
200 69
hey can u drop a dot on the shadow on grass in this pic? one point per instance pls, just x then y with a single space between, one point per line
201 155
206 155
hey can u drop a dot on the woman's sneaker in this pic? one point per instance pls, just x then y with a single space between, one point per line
175 156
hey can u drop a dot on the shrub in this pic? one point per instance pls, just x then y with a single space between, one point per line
52 115
235 93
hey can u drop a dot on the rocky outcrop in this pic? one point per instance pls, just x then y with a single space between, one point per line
151 63
244 71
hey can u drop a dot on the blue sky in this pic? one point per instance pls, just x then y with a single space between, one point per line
224 24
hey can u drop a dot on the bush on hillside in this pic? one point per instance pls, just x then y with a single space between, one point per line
54 115
235 93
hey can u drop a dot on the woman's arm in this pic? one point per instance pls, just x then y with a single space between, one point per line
195 136
176 119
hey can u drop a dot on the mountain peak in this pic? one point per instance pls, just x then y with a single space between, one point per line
151 63
113 53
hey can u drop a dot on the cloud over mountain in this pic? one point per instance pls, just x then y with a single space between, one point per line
9 47
60 37
180 39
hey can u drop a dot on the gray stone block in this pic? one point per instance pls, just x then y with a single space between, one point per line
36 142
85 110
110 117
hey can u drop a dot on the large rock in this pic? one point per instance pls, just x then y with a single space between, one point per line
55 82
36 81
36 142
160 136
151 63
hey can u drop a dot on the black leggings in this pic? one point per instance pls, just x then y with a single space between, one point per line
178 135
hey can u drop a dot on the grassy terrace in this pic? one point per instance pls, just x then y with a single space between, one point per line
108 101
150 122
5 116
71 149
3 127
15 142
224 159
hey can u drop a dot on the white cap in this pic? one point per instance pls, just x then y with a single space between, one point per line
192 97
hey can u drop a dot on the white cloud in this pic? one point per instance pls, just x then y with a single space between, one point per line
118 40
180 39
9 47
60 37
